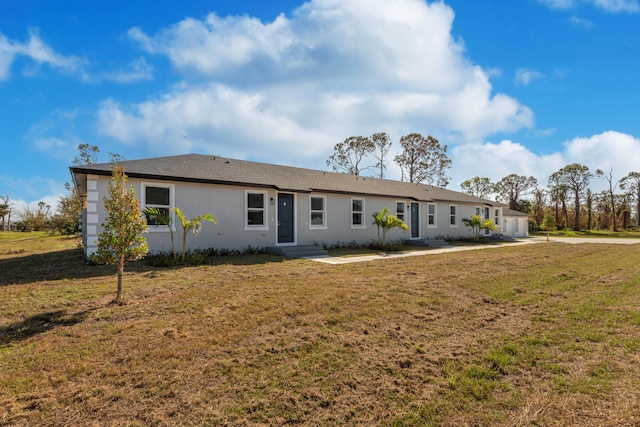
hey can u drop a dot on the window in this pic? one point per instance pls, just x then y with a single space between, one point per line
453 215
431 215
317 212
496 218
400 210
478 210
487 213
160 197
357 212
256 210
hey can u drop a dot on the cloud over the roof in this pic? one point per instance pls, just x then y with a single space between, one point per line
305 82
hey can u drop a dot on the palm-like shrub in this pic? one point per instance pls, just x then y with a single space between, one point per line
386 221
477 223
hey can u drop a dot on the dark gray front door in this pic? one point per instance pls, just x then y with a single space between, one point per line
415 221
285 218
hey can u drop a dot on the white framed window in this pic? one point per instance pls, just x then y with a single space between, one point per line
400 208
318 212
478 210
453 215
496 217
431 215
255 210
357 213
161 197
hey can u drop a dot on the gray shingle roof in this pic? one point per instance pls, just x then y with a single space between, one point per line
220 170
511 212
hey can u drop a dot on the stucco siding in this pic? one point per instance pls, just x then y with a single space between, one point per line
228 203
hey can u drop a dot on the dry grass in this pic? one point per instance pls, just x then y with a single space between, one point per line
536 335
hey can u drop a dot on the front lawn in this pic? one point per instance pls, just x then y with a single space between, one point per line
532 335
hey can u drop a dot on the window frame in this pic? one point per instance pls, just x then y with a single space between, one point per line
453 217
496 218
322 226
434 215
401 215
264 209
362 224
155 228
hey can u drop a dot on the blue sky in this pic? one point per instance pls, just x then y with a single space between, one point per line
518 86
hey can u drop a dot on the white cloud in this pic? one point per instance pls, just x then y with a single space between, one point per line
580 22
605 151
615 6
136 71
59 122
558 4
29 192
299 85
525 76
611 6
39 52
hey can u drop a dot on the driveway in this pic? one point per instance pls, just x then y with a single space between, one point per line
525 241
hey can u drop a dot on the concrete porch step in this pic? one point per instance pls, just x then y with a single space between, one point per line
297 251
432 243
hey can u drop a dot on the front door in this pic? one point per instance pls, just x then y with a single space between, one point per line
415 221
285 218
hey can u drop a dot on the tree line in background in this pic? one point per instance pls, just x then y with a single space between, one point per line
567 197
66 219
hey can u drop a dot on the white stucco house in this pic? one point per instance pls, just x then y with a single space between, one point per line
265 205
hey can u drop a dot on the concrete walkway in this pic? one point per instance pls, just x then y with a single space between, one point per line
525 241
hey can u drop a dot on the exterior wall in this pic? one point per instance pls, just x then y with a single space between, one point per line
228 204
91 212
338 220
516 226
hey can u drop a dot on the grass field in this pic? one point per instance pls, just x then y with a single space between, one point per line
535 335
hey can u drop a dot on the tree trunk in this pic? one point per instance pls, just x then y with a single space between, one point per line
576 225
589 210
638 205
118 298
613 210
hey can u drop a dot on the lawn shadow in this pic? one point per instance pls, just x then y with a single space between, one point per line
70 264
38 324
56 265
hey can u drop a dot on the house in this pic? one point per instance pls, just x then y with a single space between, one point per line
516 224
264 205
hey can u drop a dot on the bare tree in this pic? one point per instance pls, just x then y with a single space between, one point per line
88 155
478 186
349 155
611 194
382 145
423 159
